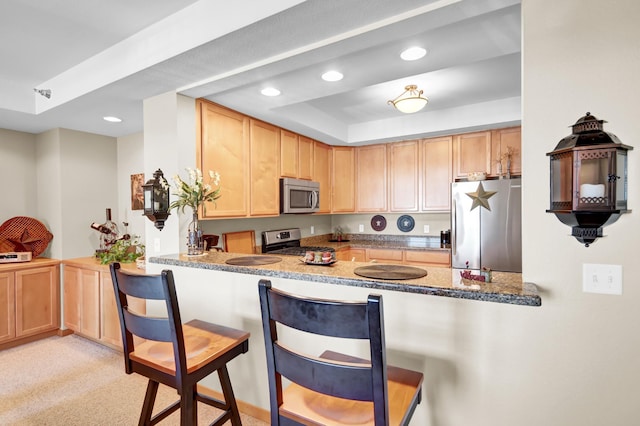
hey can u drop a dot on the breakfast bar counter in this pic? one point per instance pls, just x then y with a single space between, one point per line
504 288
422 333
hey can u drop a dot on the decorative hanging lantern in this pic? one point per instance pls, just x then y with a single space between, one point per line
156 199
589 179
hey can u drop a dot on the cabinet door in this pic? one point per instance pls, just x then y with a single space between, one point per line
384 255
371 175
505 142
72 293
471 153
224 147
37 300
305 158
343 180
404 175
109 321
7 303
289 154
264 169
428 258
322 174
437 174
90 303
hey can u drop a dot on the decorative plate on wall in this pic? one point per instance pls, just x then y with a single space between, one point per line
405 223
378 223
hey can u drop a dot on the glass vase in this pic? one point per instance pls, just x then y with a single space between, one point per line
195 242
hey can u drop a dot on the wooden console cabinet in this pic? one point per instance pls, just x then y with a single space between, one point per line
89 301
30 300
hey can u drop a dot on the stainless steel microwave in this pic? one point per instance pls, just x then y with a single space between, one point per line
299 196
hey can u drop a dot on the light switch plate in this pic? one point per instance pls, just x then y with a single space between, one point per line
600 278
313 230
360 228
426 229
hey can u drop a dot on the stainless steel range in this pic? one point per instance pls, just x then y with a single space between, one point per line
287 241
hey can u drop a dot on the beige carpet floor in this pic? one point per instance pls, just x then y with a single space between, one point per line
74 381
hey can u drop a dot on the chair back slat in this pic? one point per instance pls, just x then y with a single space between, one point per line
141 286
341 380
325 317
158 329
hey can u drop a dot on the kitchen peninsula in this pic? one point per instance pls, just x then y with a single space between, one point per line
505 287
419 330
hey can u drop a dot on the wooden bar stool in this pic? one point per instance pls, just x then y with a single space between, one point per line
174 354
333 389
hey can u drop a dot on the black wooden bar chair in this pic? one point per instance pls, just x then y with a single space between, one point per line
333 388
174 354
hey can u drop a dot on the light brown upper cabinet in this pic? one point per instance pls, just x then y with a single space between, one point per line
224 147
322 174
437 175
343 180
305 158
296 156
264 154
471 153
371 175
506 142
288 154
404 176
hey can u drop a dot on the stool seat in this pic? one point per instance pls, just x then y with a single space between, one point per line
174 354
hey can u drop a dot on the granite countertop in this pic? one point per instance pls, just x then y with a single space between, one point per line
505 287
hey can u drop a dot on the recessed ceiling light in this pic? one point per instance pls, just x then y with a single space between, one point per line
413 53
270 91
112 119
332 76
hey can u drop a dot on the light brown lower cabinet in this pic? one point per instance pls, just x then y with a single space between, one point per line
30 301
89 301
440 258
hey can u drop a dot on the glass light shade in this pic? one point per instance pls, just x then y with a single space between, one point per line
410 101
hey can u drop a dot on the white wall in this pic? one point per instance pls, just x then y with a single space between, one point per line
88 186
130 162
17 157
580 362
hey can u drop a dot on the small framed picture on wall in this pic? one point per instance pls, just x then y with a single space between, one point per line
137 201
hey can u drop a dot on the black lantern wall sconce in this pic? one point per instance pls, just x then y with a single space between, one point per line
589 179
156 199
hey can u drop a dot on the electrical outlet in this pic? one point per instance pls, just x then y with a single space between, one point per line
603 279
361 228
156 245
426 229
313 229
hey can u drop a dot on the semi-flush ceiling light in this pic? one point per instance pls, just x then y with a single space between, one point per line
410 101
270 91
413 53
112 119
332 76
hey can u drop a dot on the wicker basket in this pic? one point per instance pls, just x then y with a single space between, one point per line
22 233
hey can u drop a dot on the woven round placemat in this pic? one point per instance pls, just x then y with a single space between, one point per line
22 233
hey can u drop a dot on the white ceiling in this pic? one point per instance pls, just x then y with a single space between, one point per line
105 57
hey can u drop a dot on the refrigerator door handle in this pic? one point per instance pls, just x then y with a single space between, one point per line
454 228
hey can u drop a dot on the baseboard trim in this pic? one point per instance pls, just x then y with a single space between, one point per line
243 407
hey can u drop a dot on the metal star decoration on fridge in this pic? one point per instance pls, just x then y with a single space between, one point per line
481 197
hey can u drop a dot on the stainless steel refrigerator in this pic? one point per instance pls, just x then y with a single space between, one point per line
486 225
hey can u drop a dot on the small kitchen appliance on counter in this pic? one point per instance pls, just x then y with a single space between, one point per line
287 242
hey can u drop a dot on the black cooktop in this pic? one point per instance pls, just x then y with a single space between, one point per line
300 251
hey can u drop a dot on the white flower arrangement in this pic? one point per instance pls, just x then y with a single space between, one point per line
195 192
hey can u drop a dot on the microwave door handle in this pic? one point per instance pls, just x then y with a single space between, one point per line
314 199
